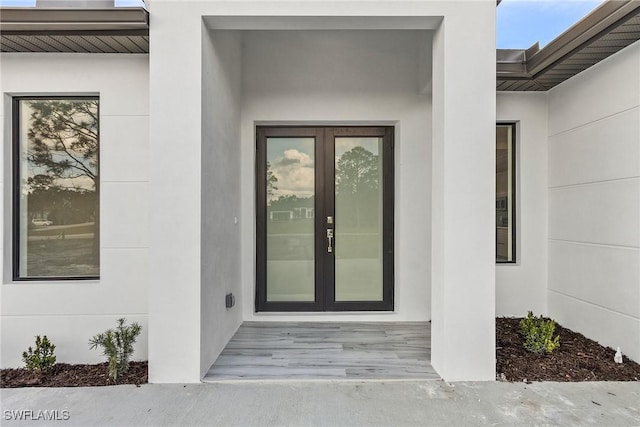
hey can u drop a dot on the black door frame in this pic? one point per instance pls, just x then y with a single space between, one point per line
324 207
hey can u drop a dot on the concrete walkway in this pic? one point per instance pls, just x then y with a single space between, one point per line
331 403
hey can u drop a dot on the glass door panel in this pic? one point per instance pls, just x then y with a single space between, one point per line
358 226
290 190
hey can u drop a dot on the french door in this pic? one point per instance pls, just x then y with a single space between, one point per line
324 223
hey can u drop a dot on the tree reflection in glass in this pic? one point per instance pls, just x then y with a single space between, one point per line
290 185
59 188
358 242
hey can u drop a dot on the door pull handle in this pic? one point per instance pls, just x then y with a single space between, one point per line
330 240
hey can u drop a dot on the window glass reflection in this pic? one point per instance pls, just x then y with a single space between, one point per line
290 219
58 188
505 185
358 241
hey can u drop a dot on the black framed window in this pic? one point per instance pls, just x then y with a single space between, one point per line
56 188
505 193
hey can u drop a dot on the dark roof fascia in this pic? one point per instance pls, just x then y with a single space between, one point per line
512 63
35 21
598 23
521 64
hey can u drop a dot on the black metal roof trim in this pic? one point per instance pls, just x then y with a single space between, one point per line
610 28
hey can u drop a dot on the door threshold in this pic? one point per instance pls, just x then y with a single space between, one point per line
206 380
321 313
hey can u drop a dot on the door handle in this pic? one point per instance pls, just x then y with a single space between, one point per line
330 240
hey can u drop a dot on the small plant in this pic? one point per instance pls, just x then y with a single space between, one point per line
117 345
42 358
538 334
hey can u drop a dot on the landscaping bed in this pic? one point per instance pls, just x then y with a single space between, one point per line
65 375
577 359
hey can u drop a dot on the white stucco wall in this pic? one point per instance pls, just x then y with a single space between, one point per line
187 325
71 312
220 244
464 347
594 202
347 78
578 200
522 286
175 86
463 193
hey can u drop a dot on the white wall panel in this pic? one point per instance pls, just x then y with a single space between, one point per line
335 61
602 275
6 138
69 333
220 262
73 311
521 287
598 323
123 273
122 80
124 214
607 88
599 151
594 201
124 148
605 212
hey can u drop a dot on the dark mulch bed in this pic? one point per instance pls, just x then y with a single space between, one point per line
577 359
65 375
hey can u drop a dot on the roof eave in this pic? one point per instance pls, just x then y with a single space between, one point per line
73 21
534 68
607 16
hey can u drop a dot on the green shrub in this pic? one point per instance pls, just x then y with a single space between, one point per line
117 345
42 358
538 334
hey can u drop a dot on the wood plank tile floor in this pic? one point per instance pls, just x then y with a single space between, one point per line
328 350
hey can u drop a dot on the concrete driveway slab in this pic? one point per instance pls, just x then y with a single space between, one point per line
328 403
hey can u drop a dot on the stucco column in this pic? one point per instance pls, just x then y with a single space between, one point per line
175 134
463 251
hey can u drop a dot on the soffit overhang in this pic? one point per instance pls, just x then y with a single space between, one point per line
610 28
114 30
